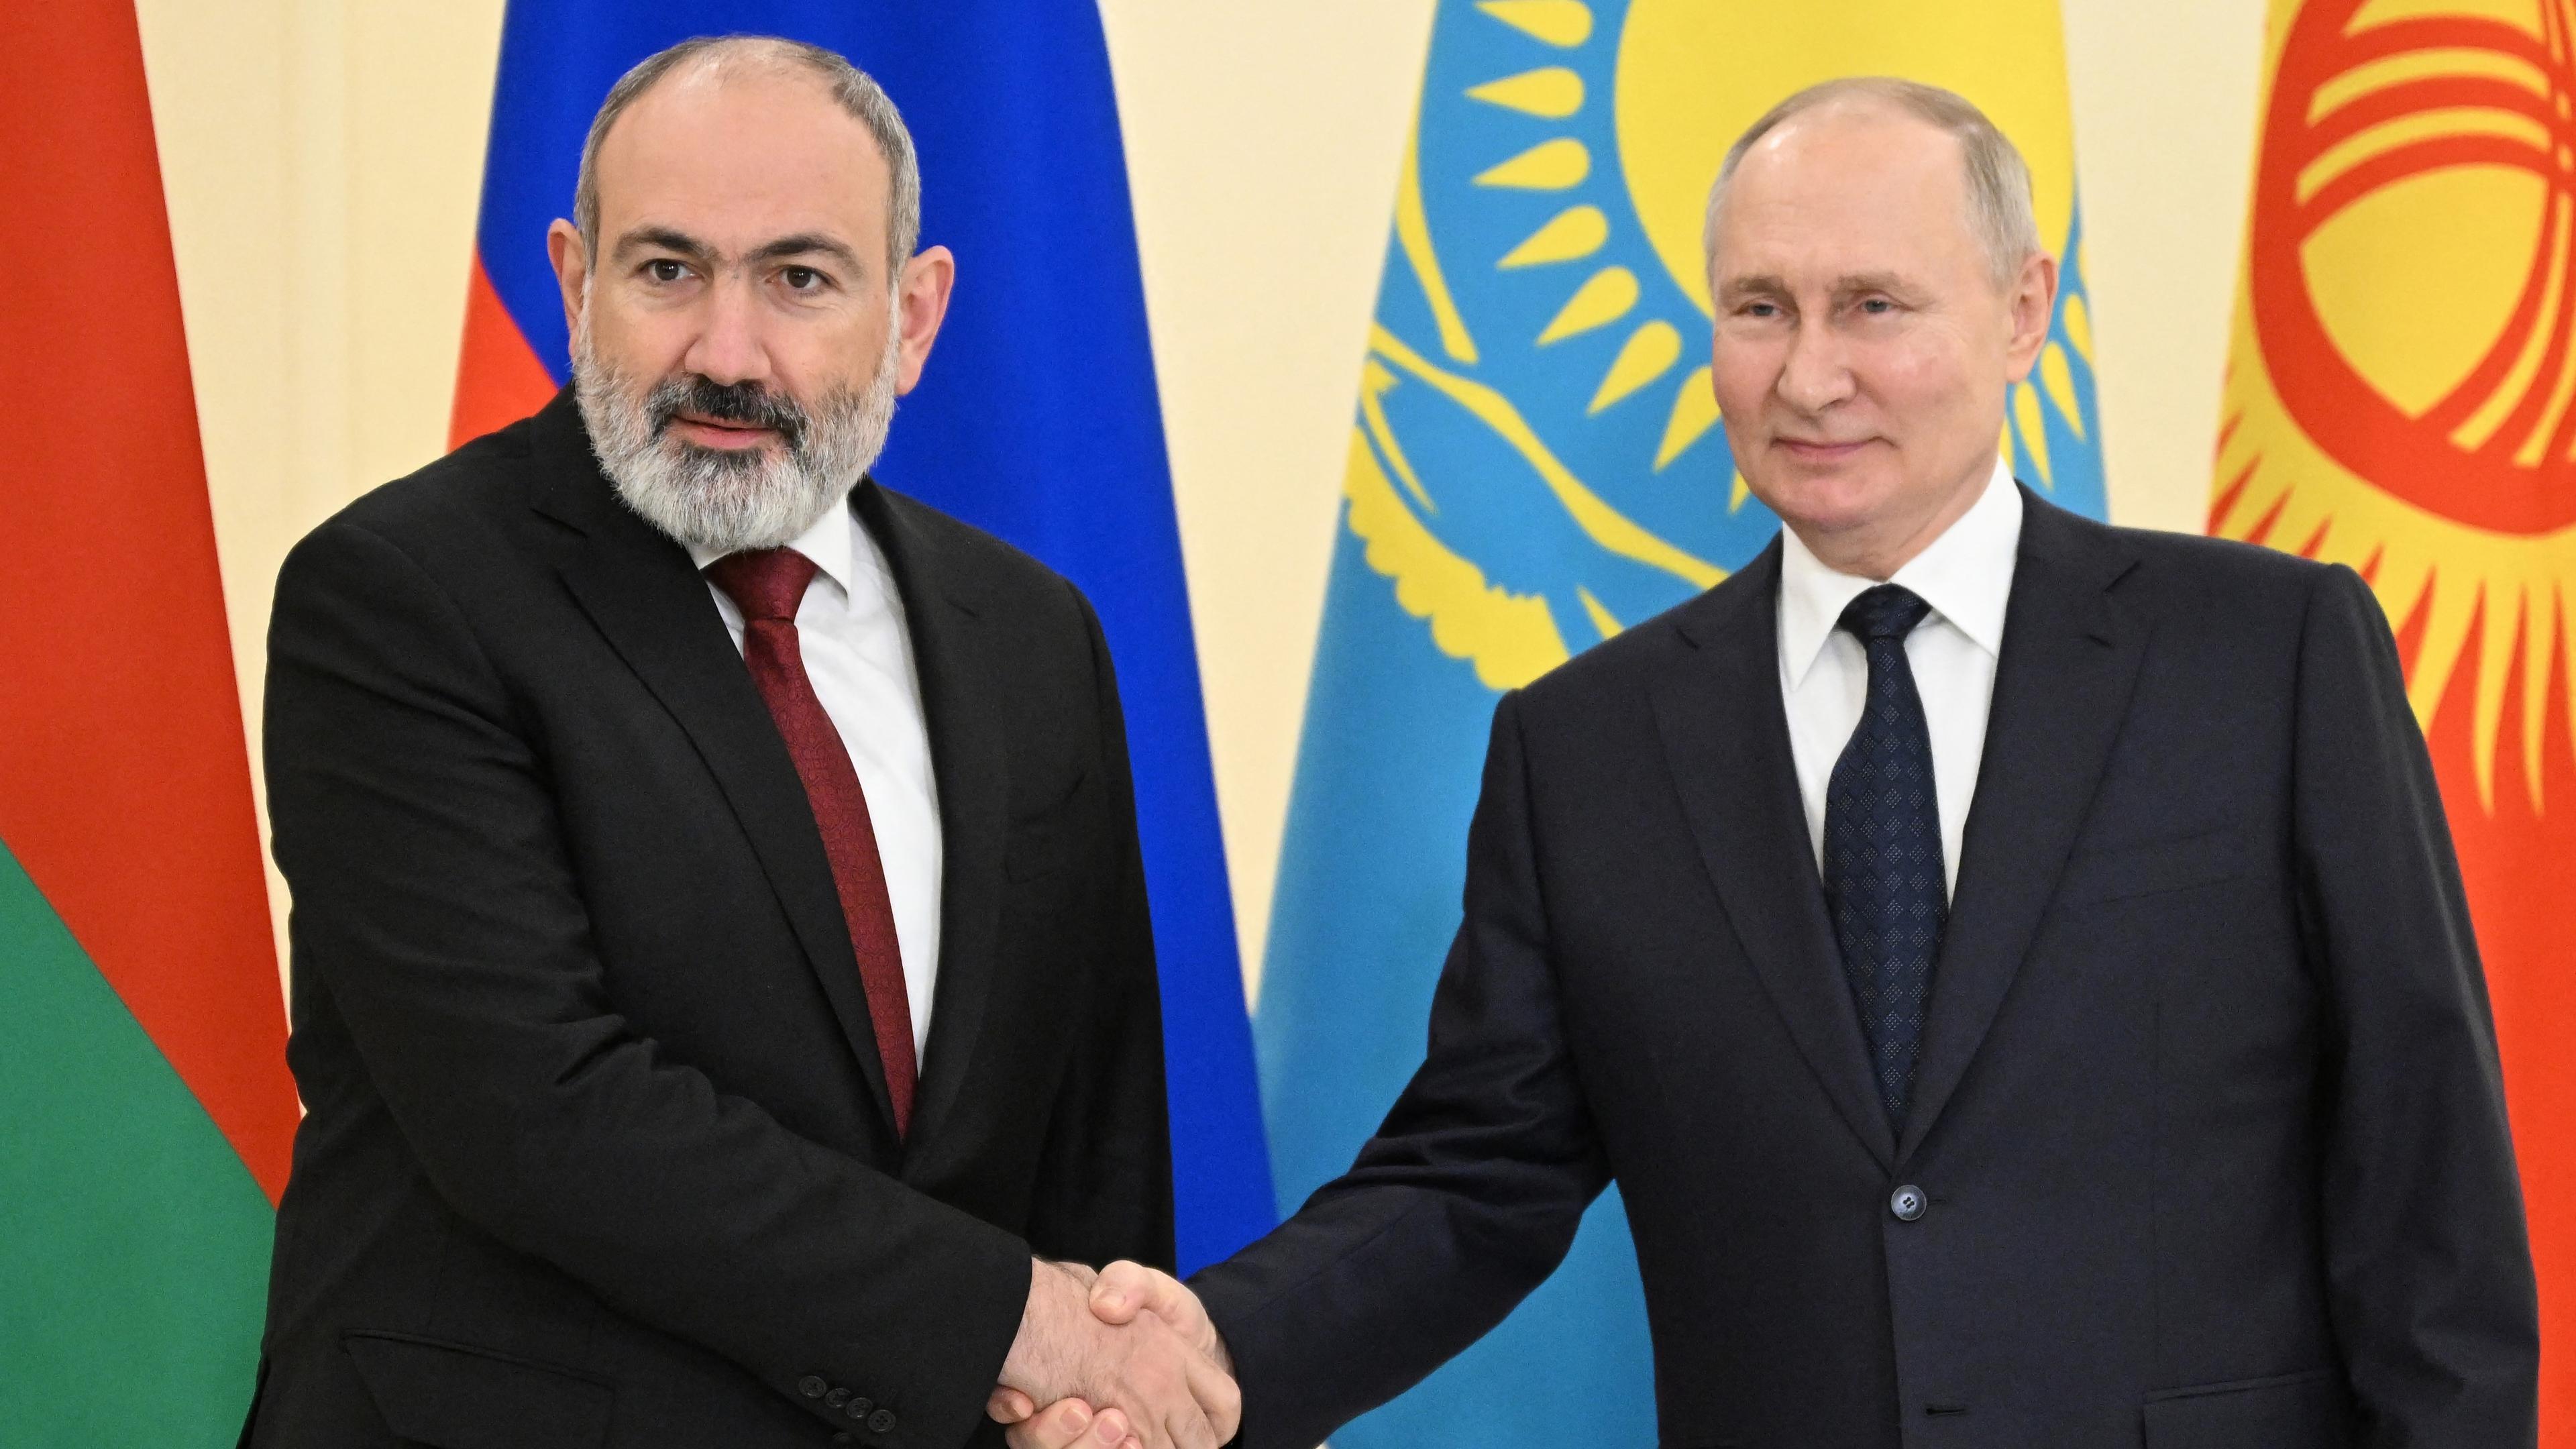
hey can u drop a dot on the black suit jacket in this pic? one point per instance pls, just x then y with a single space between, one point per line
599 1151
2209 1114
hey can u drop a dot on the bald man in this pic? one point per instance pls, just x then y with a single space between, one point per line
2014 968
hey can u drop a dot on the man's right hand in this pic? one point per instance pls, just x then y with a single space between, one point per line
1171 1392
1120 1293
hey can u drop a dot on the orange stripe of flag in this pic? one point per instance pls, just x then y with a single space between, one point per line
498 377
124 788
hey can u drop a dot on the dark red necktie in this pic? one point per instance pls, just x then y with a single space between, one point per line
767 584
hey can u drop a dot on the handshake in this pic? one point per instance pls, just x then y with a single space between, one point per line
1120 1359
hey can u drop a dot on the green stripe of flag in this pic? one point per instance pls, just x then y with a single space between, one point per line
134 1244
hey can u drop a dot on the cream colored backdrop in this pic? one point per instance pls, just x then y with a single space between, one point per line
322 159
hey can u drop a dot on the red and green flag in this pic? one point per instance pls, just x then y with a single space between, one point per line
145 1109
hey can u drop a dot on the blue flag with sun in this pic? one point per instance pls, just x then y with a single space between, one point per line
1537 462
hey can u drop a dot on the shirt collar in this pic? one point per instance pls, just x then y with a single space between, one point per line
831 543
1965 575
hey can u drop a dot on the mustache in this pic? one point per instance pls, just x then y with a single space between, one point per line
746 403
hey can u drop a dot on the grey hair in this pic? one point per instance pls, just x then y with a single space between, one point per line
1999 202
853 88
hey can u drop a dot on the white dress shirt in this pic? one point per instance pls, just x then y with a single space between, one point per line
1966 576
850 629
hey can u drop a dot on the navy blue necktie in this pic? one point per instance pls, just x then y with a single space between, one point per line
1883 876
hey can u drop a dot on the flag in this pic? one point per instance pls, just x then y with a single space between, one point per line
1037 420
1538 462
143 1067
2397 400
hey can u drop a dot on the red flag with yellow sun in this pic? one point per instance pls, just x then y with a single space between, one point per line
2399 400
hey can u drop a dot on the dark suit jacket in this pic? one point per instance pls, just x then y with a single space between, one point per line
2209 1114
599 1150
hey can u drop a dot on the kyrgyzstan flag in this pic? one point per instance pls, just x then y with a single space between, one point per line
142 1054
2398 400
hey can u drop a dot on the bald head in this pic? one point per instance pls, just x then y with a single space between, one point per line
721 60
1992 179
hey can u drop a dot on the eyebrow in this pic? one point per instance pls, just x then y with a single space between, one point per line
805 243
663 238
1766 285
1761 285
669 239
1870 282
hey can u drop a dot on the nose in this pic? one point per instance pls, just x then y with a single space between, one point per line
1815 375
728 348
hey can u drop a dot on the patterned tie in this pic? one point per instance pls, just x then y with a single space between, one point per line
767 585
1883 849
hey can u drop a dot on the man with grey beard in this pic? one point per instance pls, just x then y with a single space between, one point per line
723 996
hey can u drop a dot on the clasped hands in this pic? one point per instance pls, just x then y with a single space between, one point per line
1120 1359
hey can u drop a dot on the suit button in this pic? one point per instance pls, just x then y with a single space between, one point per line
859 1408
836 1398
1907 1203
811 1386
881 1422
843 1439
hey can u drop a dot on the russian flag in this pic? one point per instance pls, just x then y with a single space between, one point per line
1038 419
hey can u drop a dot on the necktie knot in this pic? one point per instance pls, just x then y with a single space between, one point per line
765 583
1889 611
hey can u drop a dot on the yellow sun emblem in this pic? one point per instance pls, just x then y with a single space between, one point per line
2402 373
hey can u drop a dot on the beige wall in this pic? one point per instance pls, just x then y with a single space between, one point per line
322 160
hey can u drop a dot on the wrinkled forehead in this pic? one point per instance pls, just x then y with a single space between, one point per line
732 154
1848 188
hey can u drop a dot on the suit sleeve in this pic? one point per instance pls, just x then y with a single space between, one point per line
1468 1196
2428 1261
1108 1160
438 914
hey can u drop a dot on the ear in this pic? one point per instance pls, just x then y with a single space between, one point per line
2033 301
572 270
921 304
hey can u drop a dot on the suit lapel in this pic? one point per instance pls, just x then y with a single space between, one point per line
1727 739
2062 690
638 587
969 758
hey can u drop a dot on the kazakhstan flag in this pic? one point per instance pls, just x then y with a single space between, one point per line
1537 462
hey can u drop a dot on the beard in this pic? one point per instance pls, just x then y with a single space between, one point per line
726 501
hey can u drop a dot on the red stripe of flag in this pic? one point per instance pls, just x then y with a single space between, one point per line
124 788
498 377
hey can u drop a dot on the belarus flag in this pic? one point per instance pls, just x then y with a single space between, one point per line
142 1054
